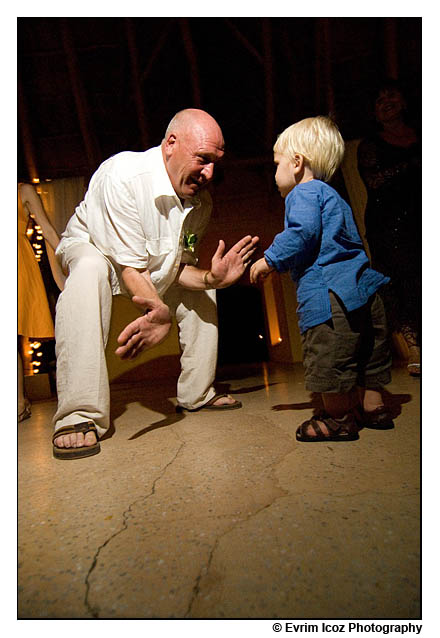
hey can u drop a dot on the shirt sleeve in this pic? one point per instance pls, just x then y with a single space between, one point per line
119 234
297 246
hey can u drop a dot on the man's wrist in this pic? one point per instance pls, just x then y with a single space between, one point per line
208 285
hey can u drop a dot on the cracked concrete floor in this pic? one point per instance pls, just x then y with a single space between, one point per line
212 515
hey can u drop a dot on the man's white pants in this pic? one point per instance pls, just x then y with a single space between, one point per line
82 325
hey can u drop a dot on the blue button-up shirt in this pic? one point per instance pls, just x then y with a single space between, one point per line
321 248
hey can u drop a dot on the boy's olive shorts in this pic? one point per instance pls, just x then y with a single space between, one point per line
351 349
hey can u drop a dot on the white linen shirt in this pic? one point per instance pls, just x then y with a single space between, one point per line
132 214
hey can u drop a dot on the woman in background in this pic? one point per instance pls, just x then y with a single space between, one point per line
34 317
389 163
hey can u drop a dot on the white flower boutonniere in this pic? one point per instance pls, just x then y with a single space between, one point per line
189 241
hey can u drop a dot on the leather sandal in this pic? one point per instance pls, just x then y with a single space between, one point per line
66 453
26 412
210 405
345 429
378 419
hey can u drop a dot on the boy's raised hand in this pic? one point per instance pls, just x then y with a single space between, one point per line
260 269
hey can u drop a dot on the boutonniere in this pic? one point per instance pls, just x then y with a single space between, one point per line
189 241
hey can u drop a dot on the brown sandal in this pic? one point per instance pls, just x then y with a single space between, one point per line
345 429
76 452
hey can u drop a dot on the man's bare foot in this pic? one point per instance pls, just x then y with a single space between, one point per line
218 402
75 440
224 400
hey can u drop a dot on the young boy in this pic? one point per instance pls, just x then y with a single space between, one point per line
341 318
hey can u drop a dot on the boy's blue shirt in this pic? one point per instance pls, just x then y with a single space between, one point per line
321 248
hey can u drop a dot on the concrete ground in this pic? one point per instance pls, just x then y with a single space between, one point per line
222 515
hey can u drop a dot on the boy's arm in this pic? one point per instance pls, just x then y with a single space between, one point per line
295 247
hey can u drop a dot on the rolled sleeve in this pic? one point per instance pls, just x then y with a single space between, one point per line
296 247
120 235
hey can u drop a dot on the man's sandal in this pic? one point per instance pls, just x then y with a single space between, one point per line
210 405
345 429
76 452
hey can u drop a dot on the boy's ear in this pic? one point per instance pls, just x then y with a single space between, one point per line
298 162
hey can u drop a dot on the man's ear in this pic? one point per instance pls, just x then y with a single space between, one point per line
169 145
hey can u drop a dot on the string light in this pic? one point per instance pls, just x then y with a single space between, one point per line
35 352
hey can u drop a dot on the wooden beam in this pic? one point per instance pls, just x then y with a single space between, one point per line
268 83
325 96
142 120
244 41
85 120
26 133
157 49
391 55
192 59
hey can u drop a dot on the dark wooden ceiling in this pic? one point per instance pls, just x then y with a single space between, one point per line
91 87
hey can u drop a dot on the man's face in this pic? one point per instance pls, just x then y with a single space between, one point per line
190 158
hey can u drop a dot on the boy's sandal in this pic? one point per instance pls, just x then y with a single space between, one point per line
344 429
210 405
66 453
378 419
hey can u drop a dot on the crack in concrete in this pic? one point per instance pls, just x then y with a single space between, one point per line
94 611
205 569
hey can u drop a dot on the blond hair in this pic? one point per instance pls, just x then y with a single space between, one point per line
318 140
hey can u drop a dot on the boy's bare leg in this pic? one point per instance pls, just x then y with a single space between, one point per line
370 400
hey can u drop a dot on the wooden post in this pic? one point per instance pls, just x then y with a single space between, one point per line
131 39
85 120
192 59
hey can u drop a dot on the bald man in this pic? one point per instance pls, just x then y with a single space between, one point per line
137 233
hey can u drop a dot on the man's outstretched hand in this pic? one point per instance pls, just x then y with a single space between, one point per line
146 331
227 269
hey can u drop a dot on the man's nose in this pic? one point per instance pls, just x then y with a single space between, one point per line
208 171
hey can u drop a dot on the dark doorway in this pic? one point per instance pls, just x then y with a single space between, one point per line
242 332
